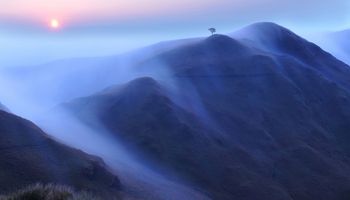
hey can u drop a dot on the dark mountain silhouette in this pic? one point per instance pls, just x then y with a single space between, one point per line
29 156
261 117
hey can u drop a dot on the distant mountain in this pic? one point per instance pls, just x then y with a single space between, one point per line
2 107
29 156
342 37
263 115
336 43
62 80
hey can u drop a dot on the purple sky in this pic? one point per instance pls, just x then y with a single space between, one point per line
325 14
127 24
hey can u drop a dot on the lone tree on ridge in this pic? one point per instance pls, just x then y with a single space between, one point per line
212 30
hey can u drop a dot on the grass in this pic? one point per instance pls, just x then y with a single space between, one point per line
48 192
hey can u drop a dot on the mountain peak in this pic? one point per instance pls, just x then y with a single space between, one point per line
267 30
271 26
139 86
221 41
143 81
142 87
223 44
220 38
274 38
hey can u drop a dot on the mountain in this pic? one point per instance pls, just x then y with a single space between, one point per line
30 156
263 114
336 43
39 88
2 107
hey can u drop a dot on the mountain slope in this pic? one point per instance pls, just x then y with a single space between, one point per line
29 156
163 131
220 161
238 118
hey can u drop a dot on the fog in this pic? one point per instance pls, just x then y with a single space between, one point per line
37 91
39 73
22 46
21 50
336 43
132 173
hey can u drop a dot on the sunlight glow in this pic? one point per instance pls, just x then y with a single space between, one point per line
54 23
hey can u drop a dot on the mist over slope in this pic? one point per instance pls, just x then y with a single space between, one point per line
336 43
39 88
2 107
259 114
239 120
30 156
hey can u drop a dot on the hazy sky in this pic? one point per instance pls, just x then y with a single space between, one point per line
324 13
127 24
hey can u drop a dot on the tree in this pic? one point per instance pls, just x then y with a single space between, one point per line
212 30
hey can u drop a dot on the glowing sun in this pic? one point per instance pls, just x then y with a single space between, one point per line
54 23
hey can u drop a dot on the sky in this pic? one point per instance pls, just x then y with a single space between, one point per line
115 26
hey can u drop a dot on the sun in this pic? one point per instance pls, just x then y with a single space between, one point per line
54 23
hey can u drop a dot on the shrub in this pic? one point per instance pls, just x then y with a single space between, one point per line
48 192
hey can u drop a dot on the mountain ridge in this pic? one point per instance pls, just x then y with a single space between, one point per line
240 123
260 119
30 156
